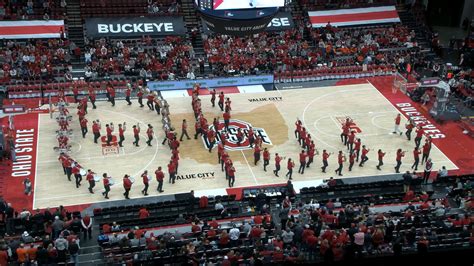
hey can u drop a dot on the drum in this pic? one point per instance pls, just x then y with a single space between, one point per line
82 172
132 179
149 178
97 178
111 181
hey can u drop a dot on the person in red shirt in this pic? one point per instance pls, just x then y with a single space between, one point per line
224 157
96 130
109 129
302 156
149 100
344 134
256 154
136 134
128 93
357 145
311 152
400 154
226 117
220 149
341 158
211 138
352 156
221 101
149 133
302 136
76 171
127 185
231 174
251 137
107 184
266 159
121 131
325 160
298 125
419 134
396 128
290 165
90 179
277 164
426 151
143 213
380 154
416 157
160 176
146 182
84 127
197 128
363 157
75 93
172 172
140 96
213 97
350 141
240 136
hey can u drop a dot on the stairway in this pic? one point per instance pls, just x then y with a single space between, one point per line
76 34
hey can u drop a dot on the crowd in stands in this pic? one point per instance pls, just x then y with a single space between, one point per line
146 57
303 231
107 8
32 9
43 237
35 59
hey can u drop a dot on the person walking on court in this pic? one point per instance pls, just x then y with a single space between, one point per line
127 185
426 151
160 176
419 135
106 182
409 126
96 130
325 160
231 174
400 155
256 154
184 130
340 160
290 165
121 131
213 97
416 157
146 182
277 164
136 134
221 101
396 128
266 159
352 156
149 133
303 156
128 93
363 157
380 154
140 96
427 172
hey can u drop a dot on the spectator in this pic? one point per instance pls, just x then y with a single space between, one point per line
143 213
74 252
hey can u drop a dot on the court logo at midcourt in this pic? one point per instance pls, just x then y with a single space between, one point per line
231 139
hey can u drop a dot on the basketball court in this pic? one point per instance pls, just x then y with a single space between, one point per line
272 114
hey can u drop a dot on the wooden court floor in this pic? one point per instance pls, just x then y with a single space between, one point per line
273 112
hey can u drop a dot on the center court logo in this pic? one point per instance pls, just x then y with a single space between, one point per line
231 142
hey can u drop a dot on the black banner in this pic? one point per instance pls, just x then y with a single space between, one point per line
237 22
282 21
124 27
